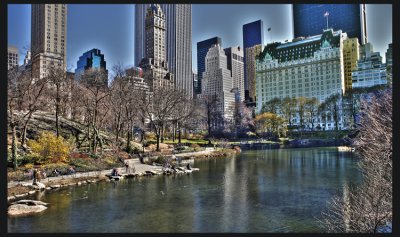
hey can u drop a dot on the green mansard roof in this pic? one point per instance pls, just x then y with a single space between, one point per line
300 48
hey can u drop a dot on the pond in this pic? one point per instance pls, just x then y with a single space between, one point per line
280 190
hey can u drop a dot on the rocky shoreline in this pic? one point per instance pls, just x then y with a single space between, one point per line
25 190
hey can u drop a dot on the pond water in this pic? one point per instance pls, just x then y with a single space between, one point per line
282 190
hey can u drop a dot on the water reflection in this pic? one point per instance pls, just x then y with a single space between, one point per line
258 191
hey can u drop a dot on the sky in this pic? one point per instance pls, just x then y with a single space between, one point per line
110 27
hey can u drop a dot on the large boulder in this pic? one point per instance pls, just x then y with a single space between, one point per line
26 207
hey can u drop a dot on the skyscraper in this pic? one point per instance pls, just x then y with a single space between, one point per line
370 70
202 49
252 36
48 37
12 57
389 55
389 63
250 72
351 53
194 82
92 59
217 81
155 64
235 65
310 19
179 41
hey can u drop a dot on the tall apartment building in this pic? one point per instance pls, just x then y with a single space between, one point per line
178 41
155 64
253 35
370 69
217 81
389 55
92 59
12 57
48 37
194 82
27 65
236 66
310 67
202 50
309 19
27 59
389 62
250 71
351 54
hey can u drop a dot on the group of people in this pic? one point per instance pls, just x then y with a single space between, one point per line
37 175
115 172
70 171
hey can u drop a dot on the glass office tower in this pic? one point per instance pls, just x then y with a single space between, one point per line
309 19
202 49
92 59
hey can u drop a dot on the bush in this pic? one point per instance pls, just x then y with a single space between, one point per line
160 160
195 146
50 149
150 136
27 159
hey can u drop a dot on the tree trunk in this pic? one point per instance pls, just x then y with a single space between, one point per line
179 135
162 133
57 111
118 127
173 132
14 144
158 141
209 121
25 130
128 141
143 139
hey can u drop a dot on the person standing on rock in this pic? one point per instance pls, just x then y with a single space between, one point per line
38 176
34 174
126 166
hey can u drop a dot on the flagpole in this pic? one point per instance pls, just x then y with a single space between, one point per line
327 21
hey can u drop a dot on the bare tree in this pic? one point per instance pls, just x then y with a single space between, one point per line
164 102
288 109
368 207
182 114
312 110
94 83
332 106
211 114
13 94
301 110
32 99
118 96
272 106
242 119
58 90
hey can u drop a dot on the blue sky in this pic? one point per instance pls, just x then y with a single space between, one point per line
110 27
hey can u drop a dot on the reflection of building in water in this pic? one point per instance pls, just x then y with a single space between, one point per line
235 201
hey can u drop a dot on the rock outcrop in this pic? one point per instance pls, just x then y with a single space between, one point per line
26 207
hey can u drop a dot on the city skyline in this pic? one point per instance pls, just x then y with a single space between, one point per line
95 33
